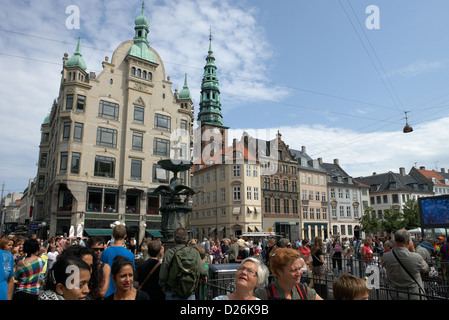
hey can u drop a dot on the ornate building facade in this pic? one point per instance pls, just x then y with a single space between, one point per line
102 140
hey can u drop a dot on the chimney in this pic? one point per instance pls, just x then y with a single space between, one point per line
402 171
303 149
422 168
443 170
336 161
374 173
320 160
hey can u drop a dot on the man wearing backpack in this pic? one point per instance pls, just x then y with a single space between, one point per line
181 269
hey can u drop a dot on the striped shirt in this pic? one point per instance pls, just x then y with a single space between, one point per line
28 276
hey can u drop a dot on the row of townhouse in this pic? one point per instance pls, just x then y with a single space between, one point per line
295 196
300 197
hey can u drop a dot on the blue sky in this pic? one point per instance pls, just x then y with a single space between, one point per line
310 69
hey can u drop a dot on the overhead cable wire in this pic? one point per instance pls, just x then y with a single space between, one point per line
369 56
193 67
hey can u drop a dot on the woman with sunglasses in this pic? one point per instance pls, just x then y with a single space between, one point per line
98 245
250 275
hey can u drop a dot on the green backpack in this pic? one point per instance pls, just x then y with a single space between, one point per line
184 274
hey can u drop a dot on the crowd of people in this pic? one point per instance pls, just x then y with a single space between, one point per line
268 268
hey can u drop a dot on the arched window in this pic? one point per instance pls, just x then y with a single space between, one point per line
139 73
144 74
133 71
150 76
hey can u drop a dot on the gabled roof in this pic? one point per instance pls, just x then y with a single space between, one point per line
391 181
305 162
436 177
339 176
362 184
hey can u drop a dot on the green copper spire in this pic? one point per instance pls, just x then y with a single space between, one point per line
210 105
185 92
140 48
142 20
77 59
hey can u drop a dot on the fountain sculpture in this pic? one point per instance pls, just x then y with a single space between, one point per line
176 207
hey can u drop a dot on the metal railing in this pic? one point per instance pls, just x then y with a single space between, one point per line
436 283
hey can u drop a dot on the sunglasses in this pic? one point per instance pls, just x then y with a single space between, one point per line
98 249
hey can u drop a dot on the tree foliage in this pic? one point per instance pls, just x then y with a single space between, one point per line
392 220
410 212
369 222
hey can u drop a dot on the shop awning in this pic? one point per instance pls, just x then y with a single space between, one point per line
98 232
155 233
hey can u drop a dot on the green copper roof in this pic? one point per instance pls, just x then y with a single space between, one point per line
77 59
140 48
47 119
141 20
210 105
141 51
185 92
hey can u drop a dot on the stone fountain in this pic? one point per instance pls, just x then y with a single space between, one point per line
176 206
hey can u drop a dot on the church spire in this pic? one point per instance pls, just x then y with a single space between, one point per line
210 105
77 59
185 92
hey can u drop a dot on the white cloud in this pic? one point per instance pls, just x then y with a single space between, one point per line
179 32
419 67
361 154
31 58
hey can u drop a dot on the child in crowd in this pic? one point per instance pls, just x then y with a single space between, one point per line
349 287
203 285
